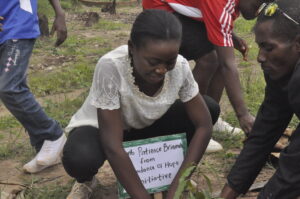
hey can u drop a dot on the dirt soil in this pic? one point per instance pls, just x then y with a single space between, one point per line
13 179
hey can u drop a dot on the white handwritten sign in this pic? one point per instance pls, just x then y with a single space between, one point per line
156 160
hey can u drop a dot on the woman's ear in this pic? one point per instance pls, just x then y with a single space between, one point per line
129 43
130 48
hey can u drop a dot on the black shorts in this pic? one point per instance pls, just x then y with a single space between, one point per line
194 43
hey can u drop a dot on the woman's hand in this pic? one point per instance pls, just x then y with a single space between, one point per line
246 122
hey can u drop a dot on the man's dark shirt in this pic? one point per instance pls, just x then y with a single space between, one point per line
282 100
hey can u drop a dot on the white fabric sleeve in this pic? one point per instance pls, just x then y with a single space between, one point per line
189 88
106 84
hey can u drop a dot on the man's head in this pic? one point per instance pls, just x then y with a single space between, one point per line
277 33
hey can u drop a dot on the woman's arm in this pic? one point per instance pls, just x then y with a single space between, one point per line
233 87
199 115
111 136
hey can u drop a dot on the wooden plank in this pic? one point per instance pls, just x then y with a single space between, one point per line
158 195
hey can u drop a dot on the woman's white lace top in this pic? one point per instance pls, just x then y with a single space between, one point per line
113 88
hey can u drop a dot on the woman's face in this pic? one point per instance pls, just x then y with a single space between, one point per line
277 56
154 59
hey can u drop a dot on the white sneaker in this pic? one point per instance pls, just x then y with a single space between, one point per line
83 190
222 126
213 146
50 151
34 167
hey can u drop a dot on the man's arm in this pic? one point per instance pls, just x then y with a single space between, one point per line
233 86
199 115
272 119
59 24
111 136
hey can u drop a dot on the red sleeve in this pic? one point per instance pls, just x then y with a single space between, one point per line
218 16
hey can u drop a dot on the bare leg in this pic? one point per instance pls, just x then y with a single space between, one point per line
216 86
204 70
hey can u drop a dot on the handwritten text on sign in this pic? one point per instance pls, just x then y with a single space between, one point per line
157 160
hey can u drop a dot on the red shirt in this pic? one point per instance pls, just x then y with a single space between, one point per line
218 15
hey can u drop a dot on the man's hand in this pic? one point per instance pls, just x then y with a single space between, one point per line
1 18
228 193
246 122
241 46
59 25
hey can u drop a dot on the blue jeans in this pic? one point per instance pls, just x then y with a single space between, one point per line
16 96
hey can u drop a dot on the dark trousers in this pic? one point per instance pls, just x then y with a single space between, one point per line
83 154
285 183
194 43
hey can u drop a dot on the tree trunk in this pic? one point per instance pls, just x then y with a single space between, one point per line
111 8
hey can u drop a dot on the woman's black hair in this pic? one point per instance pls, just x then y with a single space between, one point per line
282 26
155 24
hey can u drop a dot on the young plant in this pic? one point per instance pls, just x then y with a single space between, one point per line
187 188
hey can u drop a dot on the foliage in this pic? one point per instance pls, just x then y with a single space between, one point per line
187 188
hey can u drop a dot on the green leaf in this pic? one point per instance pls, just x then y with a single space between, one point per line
183 182
200 195
191 187
180 189
208 182
191 196
187 172
207 194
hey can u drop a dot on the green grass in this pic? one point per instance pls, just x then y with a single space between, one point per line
79 75
7 122
12 146
109 25
54 190
63 111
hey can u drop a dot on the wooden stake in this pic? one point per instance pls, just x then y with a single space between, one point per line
158 195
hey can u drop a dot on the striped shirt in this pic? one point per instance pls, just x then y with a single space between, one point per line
218 15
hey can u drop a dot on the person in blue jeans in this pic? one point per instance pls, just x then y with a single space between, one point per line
19 29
